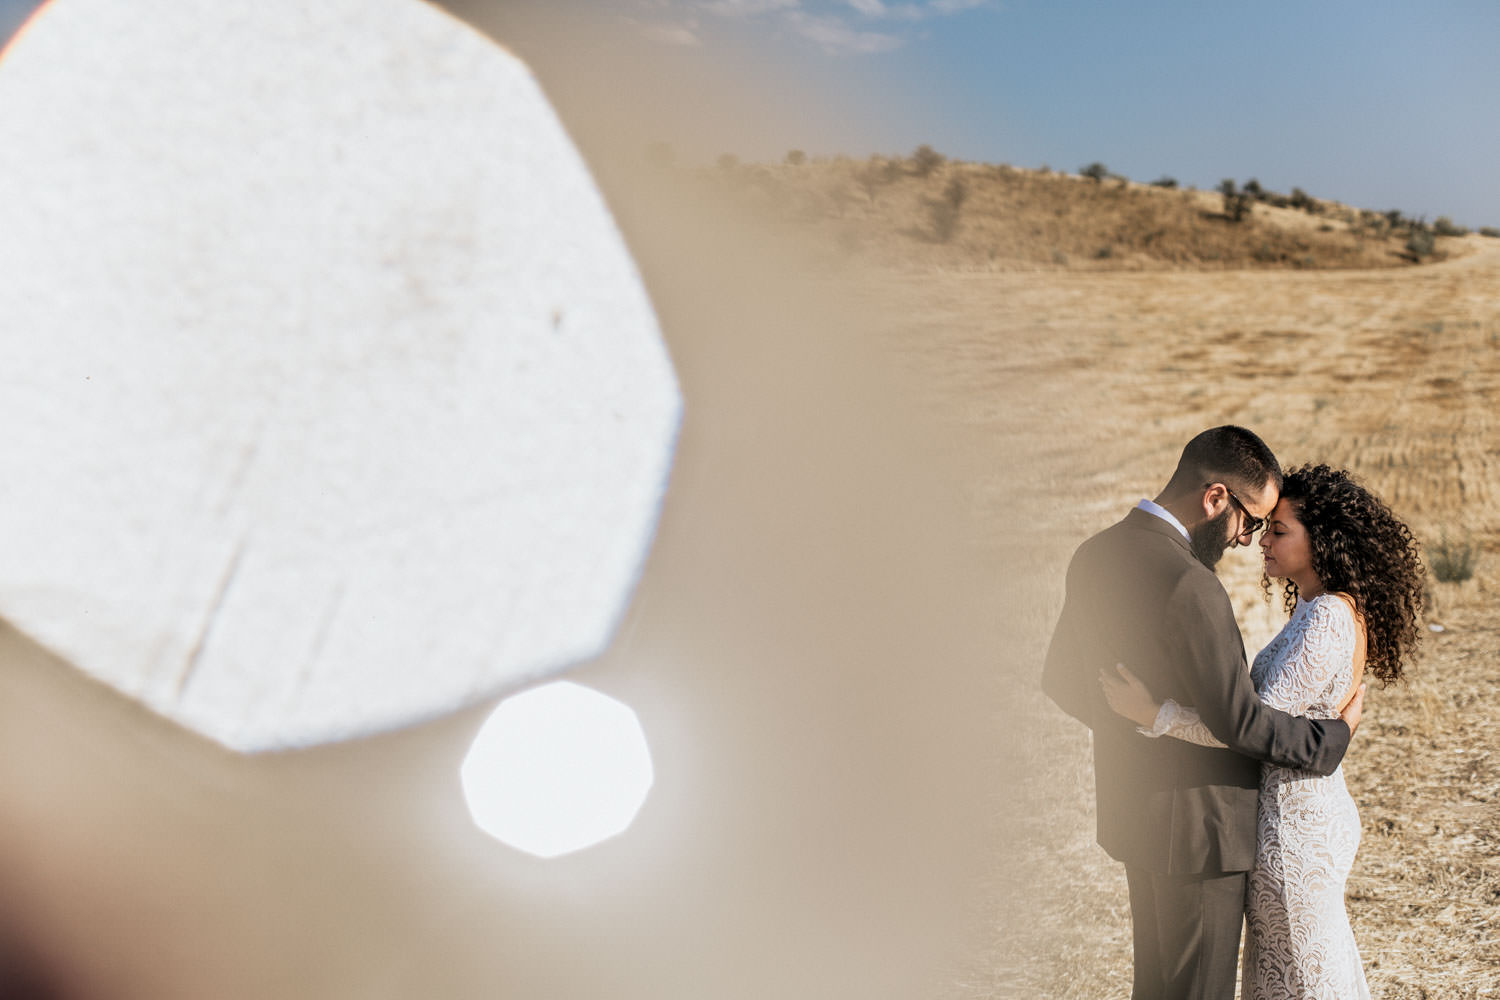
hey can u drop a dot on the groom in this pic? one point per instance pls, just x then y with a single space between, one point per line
1181 817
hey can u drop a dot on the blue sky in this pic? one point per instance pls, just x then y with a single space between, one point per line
12 13
1382 104
1377 103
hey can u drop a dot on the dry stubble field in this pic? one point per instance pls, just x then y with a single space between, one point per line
1076 391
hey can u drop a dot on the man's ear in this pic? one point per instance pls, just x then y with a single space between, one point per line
1213 500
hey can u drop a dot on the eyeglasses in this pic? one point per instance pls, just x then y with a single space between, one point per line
1252 523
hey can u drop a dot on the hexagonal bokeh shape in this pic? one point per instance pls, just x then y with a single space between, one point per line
336 401
556 769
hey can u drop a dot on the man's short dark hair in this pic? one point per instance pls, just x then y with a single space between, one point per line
1230 455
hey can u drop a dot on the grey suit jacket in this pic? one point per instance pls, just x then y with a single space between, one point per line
1136 595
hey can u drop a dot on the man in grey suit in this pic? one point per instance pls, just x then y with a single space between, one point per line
1181 817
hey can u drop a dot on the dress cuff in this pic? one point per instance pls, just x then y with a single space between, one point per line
1165 717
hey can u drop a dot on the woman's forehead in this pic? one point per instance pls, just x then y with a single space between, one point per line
1285 512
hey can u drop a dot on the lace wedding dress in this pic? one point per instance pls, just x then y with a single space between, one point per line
1299 945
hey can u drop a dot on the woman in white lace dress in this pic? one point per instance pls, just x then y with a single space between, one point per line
1353 587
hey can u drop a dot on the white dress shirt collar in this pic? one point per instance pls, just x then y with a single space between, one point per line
1152 507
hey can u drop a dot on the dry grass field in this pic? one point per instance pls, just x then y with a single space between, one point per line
1082 387
1076 391
1069 390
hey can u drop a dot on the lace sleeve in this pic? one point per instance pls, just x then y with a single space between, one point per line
1180 723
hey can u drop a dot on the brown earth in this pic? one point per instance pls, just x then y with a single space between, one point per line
1075 391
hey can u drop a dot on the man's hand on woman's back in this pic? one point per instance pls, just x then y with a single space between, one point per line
1354 709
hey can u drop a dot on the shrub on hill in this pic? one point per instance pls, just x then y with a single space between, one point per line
1236 202
1301 199
795 157
943 212
1371 222
1489 231
876 174
1095 172
1420 243
1444 226
925 160
1165 182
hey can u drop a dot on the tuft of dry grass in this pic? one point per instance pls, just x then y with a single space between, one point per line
1452 562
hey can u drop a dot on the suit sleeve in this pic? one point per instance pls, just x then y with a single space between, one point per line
1201 625
1070 673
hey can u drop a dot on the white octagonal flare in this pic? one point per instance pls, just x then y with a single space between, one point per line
333 399
556 769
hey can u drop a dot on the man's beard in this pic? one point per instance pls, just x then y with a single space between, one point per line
1209 539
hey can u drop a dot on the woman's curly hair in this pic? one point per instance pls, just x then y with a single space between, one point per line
1361 549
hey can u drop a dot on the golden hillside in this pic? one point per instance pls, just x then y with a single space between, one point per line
927 212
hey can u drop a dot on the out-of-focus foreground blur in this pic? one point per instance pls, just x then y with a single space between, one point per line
812 652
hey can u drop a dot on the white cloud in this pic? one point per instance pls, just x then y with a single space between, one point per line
812 20
912 10
906 12
836 36
671 34
748 8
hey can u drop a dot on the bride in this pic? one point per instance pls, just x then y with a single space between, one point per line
1353 587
